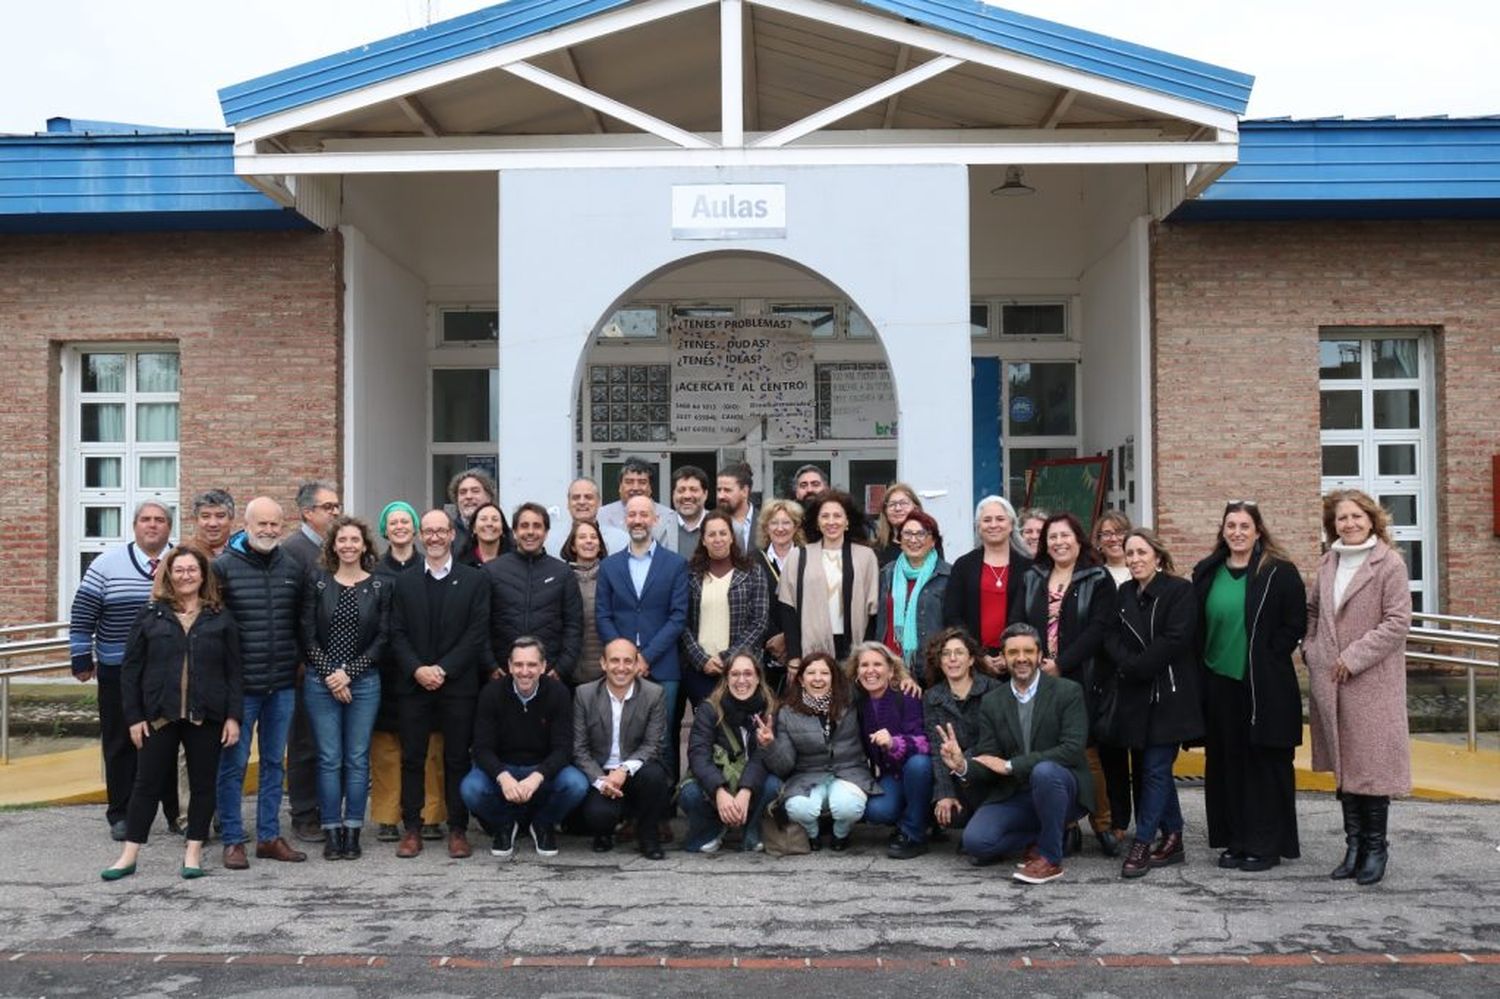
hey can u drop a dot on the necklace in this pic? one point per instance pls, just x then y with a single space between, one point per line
998 573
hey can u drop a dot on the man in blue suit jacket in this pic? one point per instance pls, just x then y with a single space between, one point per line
642 595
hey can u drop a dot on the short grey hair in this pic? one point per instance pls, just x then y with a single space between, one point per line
307 492
214 497
143 504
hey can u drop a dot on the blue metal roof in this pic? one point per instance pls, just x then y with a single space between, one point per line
1099 55
398 55
1358 168
109 180
516 20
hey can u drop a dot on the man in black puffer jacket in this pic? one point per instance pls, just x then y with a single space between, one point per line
263 589
532 593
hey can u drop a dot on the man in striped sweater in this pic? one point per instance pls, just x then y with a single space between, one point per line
115 587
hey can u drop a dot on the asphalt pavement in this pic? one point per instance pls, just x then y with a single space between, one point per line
598 923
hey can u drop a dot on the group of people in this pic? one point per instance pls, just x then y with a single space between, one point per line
538 675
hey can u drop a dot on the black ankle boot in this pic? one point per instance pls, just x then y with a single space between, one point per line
333 844
1375 812
1353 844
350 839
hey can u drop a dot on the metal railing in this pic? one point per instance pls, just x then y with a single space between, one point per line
14 652
1470 643
1476 641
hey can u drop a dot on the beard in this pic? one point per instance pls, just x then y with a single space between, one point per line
262 545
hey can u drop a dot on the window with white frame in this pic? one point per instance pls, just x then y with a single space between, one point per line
120 446
1376 419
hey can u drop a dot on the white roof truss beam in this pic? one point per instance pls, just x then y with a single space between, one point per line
859 101
1059 108
607 105
613 22
882 148
903 60
981 54
415 110
732 72
568 65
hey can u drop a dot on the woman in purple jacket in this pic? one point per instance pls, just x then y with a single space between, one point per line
895 740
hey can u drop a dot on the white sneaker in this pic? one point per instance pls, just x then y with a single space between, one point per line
712 846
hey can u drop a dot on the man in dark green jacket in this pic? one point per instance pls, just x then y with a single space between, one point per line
1026 764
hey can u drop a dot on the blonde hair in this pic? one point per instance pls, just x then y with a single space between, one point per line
896 663
1380 519
883 526
771 508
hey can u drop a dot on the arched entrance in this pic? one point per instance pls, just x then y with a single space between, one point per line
635 389
893 240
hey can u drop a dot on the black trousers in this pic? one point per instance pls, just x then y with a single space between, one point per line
119 751
646 798
302 765
421 713
1249 791
158 759
1122 782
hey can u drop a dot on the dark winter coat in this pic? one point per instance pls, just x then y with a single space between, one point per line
264 593
1156 670
151 675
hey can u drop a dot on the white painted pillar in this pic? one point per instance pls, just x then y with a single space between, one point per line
895 240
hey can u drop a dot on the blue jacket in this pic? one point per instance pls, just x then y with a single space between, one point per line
654 620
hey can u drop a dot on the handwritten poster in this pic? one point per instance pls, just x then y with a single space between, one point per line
861 402
728 374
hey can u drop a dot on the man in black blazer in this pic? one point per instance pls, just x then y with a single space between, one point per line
1027 763
618 724
440 634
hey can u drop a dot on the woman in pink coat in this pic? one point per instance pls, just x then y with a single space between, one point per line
1357 619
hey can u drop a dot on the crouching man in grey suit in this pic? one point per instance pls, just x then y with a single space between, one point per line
618 724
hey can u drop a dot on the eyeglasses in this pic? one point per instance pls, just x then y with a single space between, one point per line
435 532
900 502
1110 535
329 507
955 654
915 535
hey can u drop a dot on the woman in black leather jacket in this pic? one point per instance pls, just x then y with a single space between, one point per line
181 686
344 626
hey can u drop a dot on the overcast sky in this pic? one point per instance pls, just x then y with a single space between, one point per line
161 62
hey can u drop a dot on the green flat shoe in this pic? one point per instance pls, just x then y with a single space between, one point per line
116 873
189 873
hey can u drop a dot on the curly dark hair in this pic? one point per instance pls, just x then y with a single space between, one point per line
934 653
856 530
329 558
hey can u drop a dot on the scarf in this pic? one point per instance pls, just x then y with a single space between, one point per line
904 603
736 713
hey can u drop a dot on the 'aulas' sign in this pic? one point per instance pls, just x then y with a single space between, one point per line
728 211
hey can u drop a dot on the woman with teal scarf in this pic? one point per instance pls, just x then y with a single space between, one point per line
912 588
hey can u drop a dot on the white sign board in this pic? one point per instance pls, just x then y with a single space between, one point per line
728 211
861 402
727 374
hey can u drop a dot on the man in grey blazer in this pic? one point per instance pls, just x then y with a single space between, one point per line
618 723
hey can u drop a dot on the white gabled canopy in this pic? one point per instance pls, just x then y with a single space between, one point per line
729 82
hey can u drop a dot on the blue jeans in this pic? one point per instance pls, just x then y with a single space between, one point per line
269 718
845 801
547 808
1037 815
702 812
1158 810
342 734
674 726
905 801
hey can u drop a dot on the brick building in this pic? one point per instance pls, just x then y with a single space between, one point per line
1010 241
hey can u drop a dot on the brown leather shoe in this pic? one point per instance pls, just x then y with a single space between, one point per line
458 844
1039 872
235 859
278 849
1168 851
411 844
1030 854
